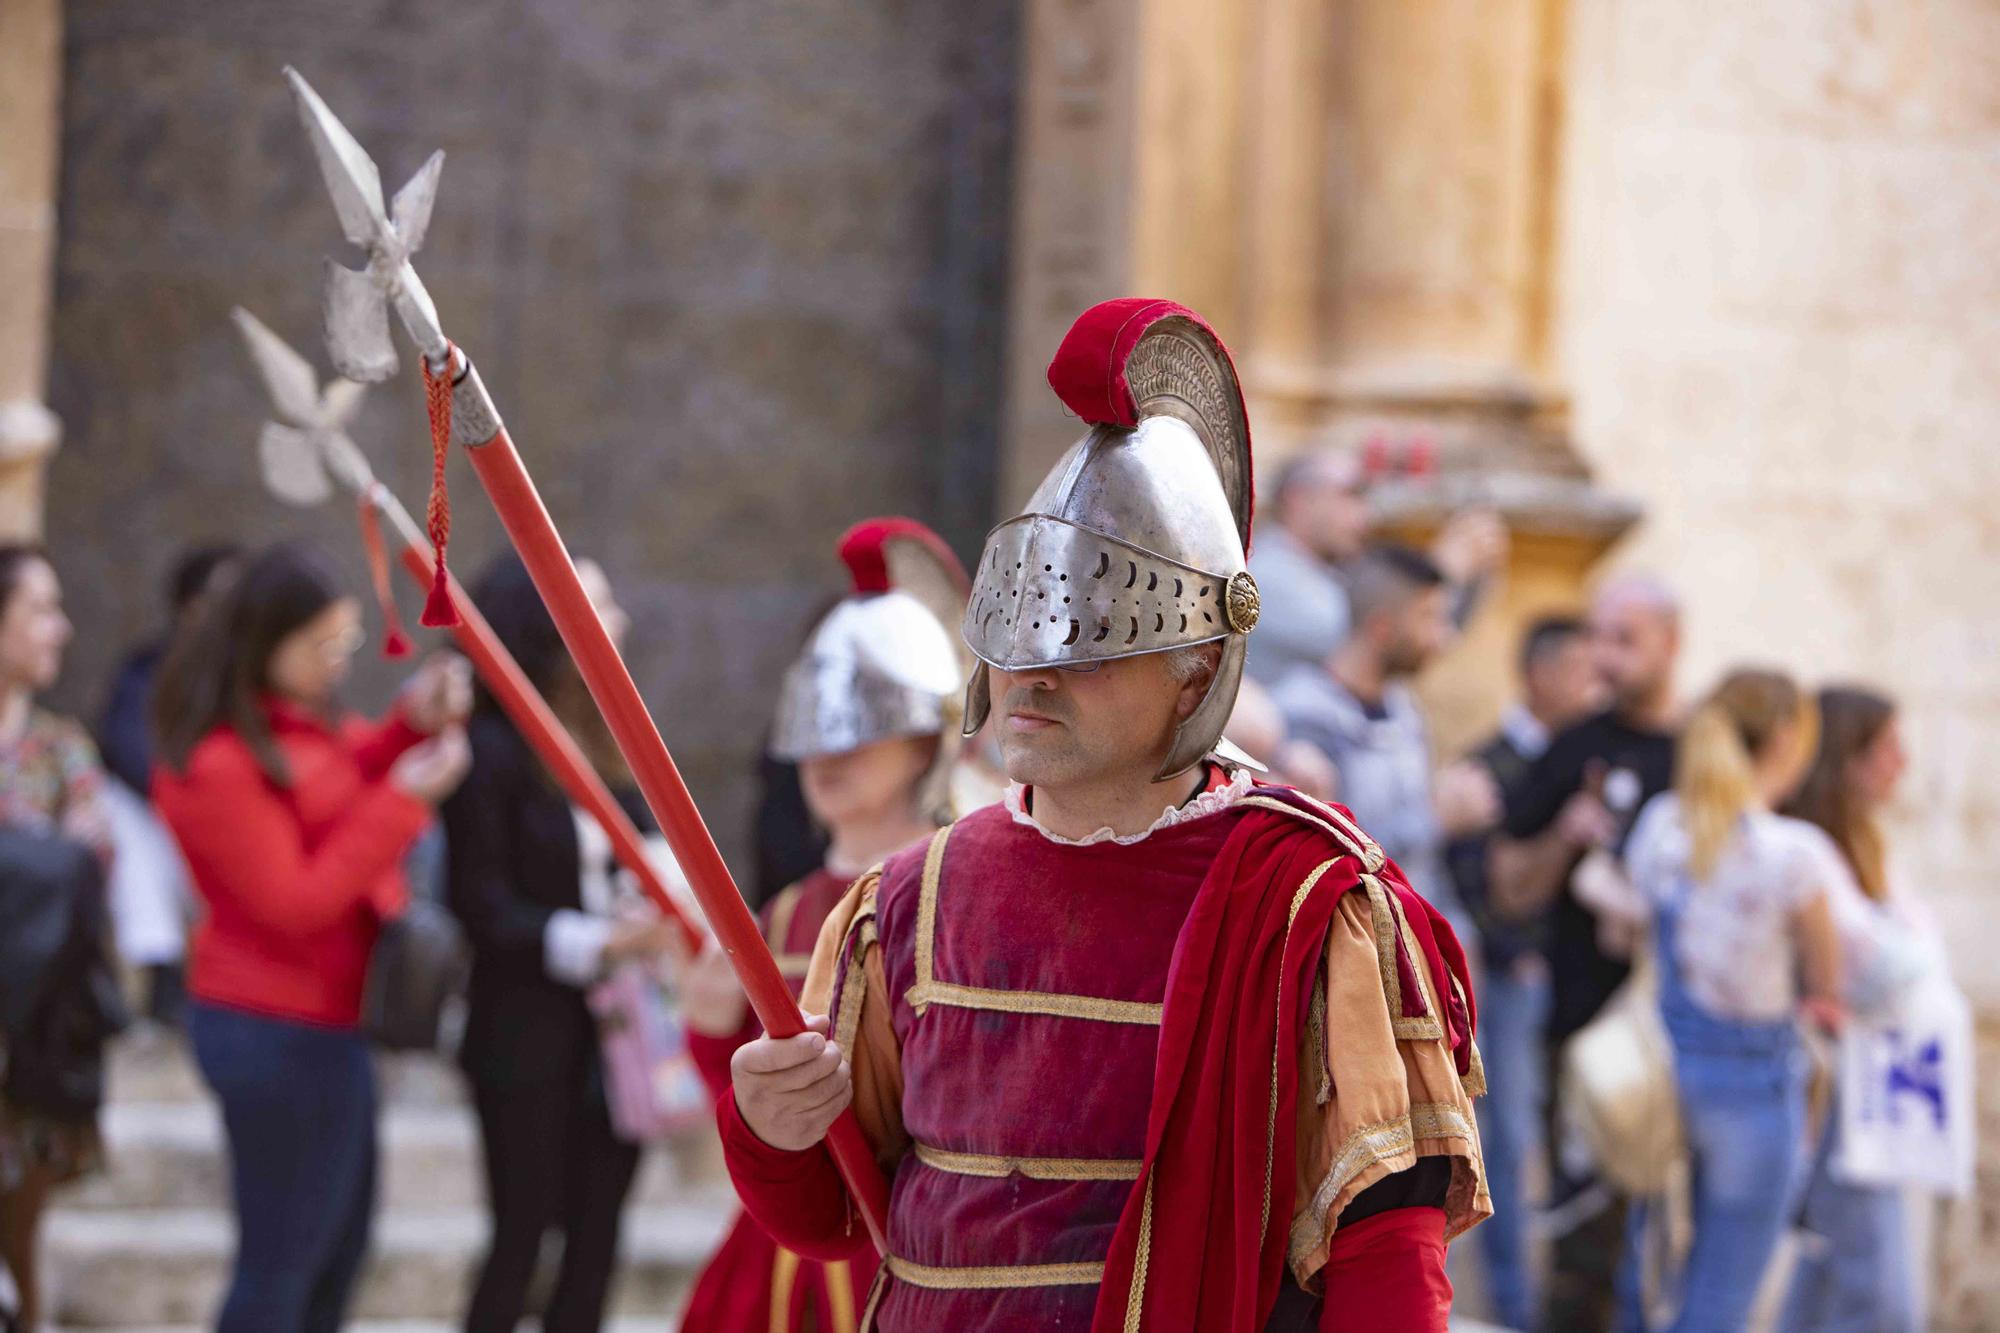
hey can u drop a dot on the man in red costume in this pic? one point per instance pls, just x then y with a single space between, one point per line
1146 1046
870 714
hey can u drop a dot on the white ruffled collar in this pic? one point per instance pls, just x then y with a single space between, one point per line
1207 803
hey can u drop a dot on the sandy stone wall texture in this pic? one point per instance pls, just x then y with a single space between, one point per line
734 275
1780 309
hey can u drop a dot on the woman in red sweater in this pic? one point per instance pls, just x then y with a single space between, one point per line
294 820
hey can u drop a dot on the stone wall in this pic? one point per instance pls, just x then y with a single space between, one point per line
1779 313
734 275
30 81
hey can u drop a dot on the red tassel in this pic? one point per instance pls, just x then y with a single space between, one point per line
395 643
439 613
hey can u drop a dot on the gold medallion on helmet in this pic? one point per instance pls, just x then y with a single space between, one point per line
1242 605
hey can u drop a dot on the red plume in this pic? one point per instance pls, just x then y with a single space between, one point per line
864 550
1088 372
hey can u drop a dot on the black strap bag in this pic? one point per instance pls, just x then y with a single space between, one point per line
413 998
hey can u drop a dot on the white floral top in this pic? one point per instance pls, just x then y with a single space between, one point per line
1734 943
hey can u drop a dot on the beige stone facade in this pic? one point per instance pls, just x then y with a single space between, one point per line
1779 307
30 81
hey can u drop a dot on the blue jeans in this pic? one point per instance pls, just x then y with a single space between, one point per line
1746 1131
298 1108
1743 1101
1513 1011
1854 1273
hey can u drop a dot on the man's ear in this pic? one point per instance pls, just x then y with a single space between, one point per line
1195 688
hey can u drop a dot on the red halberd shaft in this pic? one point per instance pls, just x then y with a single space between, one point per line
534 536
538 725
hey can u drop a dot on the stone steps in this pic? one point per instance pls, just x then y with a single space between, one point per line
171 1155
146 1246
164 1267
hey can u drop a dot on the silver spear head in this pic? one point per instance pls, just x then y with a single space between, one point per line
357 303
307 449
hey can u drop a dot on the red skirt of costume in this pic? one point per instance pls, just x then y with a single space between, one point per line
753 1284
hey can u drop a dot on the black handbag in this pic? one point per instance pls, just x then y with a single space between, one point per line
59 995
417 974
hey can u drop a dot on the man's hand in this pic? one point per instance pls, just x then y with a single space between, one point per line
712 999
640 935
790 1091
1467 799
1472 546
439 693
1586 822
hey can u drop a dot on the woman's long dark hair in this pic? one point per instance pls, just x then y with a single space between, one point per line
15 557
216 669
506 596
1851 720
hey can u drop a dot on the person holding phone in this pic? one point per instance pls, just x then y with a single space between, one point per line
294 817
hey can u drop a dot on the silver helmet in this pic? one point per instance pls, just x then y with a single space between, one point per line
881 663
1137 541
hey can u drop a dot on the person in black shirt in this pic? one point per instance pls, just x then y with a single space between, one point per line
1559 686
1584 794
534 882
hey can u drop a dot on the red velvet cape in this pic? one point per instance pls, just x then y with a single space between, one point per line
1214 1202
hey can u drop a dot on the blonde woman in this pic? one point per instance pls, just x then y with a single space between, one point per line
1745 945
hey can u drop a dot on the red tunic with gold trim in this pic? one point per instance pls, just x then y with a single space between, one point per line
753 1284
1135 1085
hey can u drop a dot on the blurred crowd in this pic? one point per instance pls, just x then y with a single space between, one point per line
1696 958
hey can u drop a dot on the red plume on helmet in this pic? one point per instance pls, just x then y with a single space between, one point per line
886 661
866 550
1093 375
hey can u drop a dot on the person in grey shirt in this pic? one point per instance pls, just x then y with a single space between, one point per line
1357 707
1321 514
1319 518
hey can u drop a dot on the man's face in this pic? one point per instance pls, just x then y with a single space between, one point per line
1067 729
1634 643
1330 518
1563 685
1417 633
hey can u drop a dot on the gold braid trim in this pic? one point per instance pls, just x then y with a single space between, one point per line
784 1274
783 908
1277 1048
854 981
927 915
1316 1039
998 1277
839 1295
1330 821
1135 1300
1389 928
1034 1168
928 990
1366 1147
791 966
1034 1002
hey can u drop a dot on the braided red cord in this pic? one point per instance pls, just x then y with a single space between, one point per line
438 609
395 643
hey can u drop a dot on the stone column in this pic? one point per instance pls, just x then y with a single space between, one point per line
30 107
1286 270
1072 211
